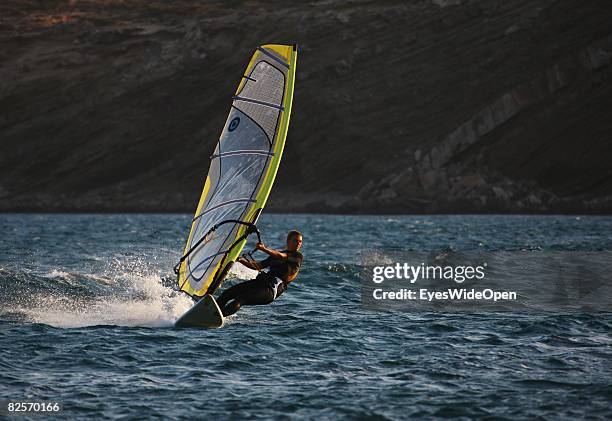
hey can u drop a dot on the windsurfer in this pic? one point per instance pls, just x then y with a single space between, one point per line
267 286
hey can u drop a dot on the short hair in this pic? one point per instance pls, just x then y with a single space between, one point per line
293 233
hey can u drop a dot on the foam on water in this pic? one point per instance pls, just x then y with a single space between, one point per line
148 303
375 257
55 273
139 297
242 272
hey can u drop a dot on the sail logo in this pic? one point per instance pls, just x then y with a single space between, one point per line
233 124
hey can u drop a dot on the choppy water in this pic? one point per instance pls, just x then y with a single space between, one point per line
88 303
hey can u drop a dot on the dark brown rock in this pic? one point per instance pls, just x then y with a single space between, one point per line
420 106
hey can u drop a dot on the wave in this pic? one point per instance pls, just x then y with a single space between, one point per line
132 289
126 291
67 299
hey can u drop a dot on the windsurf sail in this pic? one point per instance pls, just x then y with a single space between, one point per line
242 170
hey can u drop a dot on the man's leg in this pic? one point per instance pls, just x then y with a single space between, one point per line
233 292
250 293
231 308
233 296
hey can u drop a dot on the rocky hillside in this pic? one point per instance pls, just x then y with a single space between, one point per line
400 106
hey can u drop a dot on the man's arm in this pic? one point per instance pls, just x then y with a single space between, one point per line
271 252
251 264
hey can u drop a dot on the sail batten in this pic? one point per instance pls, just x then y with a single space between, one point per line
242 169
255 101
242 153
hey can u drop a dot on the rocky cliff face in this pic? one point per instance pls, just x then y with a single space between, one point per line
406 106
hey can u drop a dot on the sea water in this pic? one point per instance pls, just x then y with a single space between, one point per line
87 305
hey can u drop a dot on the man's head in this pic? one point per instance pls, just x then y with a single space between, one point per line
294 240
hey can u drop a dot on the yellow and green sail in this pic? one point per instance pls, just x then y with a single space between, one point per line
242 169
